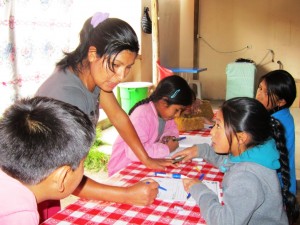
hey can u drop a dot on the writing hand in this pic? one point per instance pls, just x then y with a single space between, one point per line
188 183
142 193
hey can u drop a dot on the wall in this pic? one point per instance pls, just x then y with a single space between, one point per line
186 44
231 25
174 15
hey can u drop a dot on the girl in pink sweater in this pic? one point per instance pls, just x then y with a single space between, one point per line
153 120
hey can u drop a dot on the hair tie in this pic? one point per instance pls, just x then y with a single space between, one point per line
273 121
98 17
175 93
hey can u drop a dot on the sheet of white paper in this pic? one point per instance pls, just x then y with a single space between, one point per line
191 140
175 190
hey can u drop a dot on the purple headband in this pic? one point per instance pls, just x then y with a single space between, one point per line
98 18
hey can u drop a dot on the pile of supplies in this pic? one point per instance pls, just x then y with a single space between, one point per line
194 117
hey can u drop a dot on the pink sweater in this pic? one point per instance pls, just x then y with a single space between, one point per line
145 120
17 202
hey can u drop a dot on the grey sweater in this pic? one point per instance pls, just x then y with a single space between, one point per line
251 189
67 87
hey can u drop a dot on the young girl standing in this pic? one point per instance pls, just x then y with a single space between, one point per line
153 119
248 145
277 92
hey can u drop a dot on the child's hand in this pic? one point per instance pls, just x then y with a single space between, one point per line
188 153
142 193
166 139
172 144
158 164
188 183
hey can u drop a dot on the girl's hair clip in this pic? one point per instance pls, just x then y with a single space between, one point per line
175 93
98 18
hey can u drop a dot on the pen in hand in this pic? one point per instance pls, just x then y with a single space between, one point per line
188 196
179 139
160 187
200 178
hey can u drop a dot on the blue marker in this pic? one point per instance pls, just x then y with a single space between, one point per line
179 139
188 196
170 175
160 187
201 176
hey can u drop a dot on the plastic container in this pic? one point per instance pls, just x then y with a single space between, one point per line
240 80
132 92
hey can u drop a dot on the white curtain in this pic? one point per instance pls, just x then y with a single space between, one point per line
32 37
33 34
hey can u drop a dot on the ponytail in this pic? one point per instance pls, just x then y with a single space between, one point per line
289 200
144 101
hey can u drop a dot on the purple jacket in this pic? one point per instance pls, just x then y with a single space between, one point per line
145 120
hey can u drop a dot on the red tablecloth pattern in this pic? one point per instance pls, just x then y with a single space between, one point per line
204 132
158 213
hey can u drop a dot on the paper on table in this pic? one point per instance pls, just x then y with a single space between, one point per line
214 186
175 190
191 140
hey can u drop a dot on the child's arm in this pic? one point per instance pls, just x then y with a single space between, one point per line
242 195
171 129
206 152
147 130
137 194
122 123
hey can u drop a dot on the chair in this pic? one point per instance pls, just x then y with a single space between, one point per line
187 74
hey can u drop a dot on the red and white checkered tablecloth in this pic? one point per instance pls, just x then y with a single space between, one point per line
203 132
158 213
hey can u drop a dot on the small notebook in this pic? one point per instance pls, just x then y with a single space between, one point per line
175 190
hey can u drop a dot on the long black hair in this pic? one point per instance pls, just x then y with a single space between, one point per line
110 37
280 85
248 115
173 89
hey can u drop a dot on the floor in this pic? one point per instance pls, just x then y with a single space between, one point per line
109 135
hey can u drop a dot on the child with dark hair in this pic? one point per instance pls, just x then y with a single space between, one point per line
153 119
43 143
277 92
248 145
